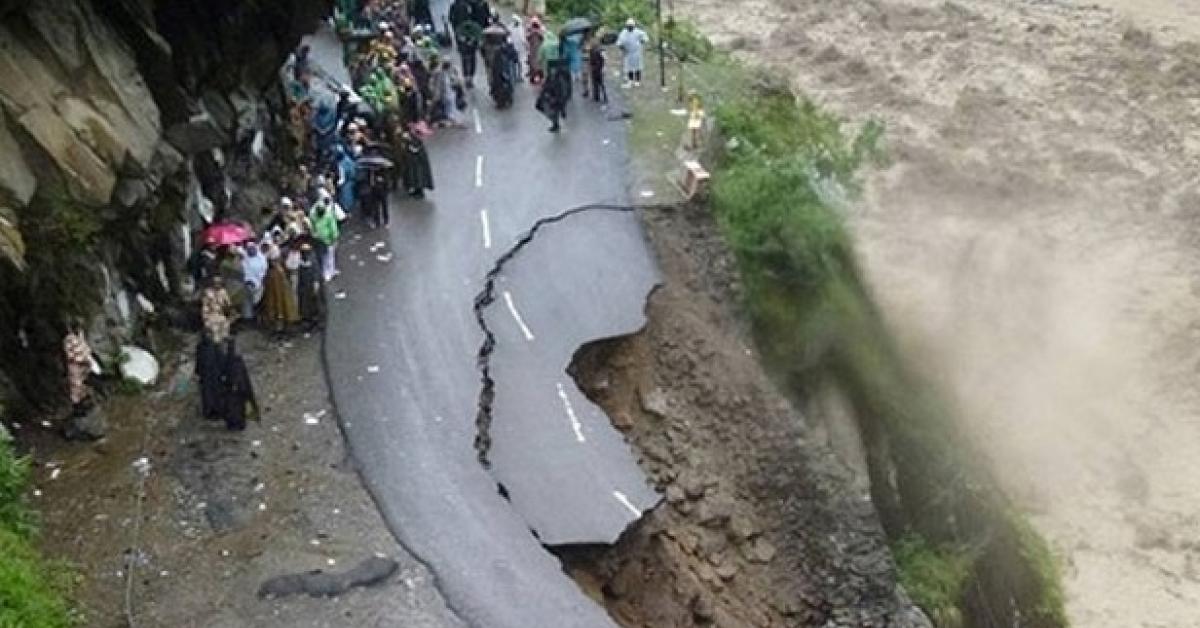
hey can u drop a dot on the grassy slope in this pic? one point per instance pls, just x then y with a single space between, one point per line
31 591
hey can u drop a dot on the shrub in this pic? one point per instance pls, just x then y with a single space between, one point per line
935 577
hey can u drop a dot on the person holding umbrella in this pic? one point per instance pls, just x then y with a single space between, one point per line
574 32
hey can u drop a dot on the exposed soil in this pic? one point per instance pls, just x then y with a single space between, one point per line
761 525
1034 244
224 512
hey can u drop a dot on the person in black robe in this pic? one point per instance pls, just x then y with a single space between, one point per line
414 166
237 390
308 289
556 93
208 369
503 74
378 188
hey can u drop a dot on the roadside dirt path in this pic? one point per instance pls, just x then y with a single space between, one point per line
223 512
1034 245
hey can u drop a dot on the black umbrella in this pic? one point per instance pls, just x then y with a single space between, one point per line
374 162
576 25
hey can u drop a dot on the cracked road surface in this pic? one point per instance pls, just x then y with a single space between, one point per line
402 344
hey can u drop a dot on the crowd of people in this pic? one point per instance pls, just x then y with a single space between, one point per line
353 145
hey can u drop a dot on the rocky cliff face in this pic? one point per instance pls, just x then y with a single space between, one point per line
119 120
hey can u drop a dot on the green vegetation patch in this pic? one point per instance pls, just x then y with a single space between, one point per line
32 592
788 172
935 577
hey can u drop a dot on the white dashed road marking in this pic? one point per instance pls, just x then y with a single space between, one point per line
487 229
575 424
626 503
478 122
479 171
517 316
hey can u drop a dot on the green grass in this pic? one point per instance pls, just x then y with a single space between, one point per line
32 591
935 577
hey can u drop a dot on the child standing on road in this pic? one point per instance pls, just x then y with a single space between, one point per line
596 66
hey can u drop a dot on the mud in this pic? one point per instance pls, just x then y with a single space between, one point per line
222 513
1034 247
762 525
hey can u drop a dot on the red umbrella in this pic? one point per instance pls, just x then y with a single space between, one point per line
226 234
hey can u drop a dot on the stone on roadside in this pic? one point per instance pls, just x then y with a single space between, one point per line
318 583
727 570
693 486
714 511
761 551
654 402
674 494
138 365
741 528
91 426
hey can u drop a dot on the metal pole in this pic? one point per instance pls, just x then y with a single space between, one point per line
662 57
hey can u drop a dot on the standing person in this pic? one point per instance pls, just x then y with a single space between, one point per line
378 189
468 35
78 356
254 271
533 44
504 72
279 302
308 288
325 229
596 62
414 165
446 88
632 42
346 173
237 391
556 93
572 51
235 283
208 370
548 53
215 307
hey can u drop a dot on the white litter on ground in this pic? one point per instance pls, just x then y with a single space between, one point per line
647 193
373 369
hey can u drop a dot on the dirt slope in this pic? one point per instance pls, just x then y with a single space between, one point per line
1034 242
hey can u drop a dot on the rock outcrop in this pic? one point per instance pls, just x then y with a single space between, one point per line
121 123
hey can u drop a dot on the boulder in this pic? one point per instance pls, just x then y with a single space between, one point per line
318 583
200 133
138 365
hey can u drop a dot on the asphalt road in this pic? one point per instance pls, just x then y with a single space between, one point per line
401 349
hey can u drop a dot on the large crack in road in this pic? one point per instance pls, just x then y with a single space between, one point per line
487 296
